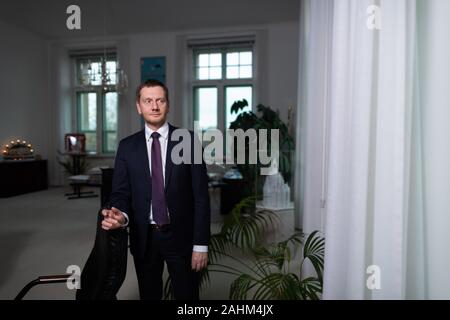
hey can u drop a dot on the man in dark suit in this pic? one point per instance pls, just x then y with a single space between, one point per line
165 205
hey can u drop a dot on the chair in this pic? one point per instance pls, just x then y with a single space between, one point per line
77 182
106 267
42 280
106 186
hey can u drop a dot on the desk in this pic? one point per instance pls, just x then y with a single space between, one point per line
22 176
230 194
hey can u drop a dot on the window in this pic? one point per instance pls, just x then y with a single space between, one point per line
97 102
222 75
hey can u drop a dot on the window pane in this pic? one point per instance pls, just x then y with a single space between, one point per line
84 73
203 73
110 122
232 59
233 94
245 72
203 60
245 58
90 70
96 71
239 65
111 68
215 73
215 60
110 142
87 118
209 66
91 141
111 111
87 105
232 72
206 107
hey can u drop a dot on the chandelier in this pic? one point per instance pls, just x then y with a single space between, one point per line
102 71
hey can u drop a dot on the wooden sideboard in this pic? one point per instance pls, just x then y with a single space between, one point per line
22 176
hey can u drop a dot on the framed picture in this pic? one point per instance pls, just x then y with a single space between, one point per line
75 142
153 68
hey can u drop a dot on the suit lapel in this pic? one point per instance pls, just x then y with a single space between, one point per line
143 156
169 163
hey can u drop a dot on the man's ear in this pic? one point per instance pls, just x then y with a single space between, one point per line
138 108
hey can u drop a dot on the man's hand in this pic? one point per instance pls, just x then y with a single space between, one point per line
199 260
113 219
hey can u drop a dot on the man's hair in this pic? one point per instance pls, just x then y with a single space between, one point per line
152 83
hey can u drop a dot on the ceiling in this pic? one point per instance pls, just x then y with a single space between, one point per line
114 17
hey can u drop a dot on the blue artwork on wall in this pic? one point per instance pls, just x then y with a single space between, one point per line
153 68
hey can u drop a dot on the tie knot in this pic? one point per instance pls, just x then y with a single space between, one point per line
155 135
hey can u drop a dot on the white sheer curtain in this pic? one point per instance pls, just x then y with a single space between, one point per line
374 113
434 115
316 17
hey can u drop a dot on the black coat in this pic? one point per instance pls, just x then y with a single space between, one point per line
106 267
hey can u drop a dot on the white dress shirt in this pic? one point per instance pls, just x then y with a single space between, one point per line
163 139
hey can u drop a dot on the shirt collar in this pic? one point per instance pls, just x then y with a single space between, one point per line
163 131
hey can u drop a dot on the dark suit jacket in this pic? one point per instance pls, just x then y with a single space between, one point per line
186 190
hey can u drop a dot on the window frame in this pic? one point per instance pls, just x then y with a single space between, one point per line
223 83
100 91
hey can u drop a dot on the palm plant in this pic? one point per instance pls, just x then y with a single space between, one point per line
270 274
67 163
243 228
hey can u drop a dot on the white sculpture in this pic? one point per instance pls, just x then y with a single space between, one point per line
276 193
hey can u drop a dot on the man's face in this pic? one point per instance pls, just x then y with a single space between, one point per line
153 106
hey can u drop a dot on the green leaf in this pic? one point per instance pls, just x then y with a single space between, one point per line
168 289
268 274
238 105
314 250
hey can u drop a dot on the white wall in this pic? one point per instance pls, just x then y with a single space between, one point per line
59 120
24 107
152 45
283 43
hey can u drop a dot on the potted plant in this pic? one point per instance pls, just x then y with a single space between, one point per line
264 118
272 272
69 168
